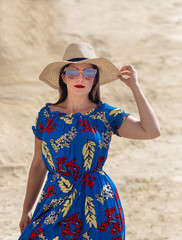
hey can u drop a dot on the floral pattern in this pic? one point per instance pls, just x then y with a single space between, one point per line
79 200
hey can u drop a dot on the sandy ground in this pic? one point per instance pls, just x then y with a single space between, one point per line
147 34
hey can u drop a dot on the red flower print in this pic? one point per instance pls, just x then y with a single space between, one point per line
118 216
67 230
118 203
104 226
68 168
32 235
87 178
100 160
120 209
122 222
77 223
60 163
75 167
67 173
116 238
62 223
115 128
50 191
70 164
77 232
109 213
117 196
86 126
41 128
76 175
50 127
36 233
116 228
72 217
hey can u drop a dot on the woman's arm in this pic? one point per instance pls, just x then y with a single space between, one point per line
147 127
35 180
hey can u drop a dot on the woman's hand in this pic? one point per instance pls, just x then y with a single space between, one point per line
147 127
25 220
36 178
129 76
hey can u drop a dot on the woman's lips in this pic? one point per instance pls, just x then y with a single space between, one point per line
79 86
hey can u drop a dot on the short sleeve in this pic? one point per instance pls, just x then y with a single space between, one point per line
40 123
115 117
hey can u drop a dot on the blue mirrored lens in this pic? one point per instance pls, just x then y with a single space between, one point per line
87 73
72 73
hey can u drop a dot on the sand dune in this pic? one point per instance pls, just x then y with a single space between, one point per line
148 174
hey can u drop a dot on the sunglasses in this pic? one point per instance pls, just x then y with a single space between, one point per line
88 74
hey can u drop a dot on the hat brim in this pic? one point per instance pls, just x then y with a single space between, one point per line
107 71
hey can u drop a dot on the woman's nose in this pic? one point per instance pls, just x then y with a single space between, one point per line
80 76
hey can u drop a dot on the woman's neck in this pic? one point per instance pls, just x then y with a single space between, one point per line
77 104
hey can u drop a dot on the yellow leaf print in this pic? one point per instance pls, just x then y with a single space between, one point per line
88 154
56 238
68 118
36 120
101 200
101 116
68 203
85 235
41 235
100 171
116 112
65 185
46 153
90 212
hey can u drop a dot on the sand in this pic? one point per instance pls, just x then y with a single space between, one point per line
147 34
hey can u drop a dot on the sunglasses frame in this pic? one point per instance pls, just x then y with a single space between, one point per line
78 73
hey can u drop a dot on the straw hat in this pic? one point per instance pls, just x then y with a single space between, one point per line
79 52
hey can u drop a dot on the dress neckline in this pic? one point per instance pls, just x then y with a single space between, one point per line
73 114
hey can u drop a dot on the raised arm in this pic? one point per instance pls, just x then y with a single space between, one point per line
35 180
147 127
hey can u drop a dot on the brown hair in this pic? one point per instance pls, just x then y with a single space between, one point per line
94 94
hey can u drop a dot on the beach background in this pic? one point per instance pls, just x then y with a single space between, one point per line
146 34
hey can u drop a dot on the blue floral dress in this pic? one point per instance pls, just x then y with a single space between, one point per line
79 200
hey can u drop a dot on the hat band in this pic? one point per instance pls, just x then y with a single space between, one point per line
76 59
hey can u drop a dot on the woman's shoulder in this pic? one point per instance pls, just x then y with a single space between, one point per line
108 108
113 111
44 111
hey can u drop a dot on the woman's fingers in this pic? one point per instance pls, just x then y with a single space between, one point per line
127 68
128 75
21 227
25 220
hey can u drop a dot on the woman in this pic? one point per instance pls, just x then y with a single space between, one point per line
72 137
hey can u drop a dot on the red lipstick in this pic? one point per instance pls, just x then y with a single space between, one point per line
79 86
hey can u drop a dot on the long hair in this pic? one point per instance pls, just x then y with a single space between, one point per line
94 94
